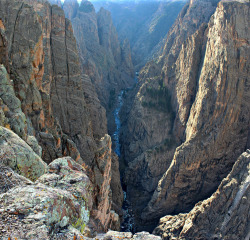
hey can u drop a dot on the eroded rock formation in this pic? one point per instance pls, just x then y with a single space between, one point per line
190 118
144 23
104 58
225 215
50 104
58 201
186 127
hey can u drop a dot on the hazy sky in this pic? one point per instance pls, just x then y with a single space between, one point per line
77 0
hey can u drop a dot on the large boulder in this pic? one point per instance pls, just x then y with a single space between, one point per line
39 212
56 206
17 154
66 174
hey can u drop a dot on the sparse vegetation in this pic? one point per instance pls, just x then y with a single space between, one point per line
160 98
166 145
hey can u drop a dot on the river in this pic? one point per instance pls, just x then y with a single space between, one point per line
127 224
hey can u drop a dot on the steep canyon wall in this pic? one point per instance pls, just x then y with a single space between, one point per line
189 120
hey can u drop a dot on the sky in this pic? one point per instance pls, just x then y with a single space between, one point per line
77 0
109 0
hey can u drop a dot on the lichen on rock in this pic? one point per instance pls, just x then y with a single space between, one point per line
17 154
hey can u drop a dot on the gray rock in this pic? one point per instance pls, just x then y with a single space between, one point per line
216 133
11 106
18 155
203 84
10 179
225 215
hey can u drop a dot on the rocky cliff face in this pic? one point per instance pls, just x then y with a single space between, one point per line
104 59
55 112
56 2
42 84
107 66
186 127
70 8
143 23
225 215
196 99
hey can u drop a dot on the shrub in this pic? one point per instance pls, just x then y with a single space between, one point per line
161 98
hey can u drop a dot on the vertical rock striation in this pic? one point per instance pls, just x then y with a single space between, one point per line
103 58
199 89
225 215
51 102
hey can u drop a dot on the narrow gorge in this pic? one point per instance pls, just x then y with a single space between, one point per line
124 120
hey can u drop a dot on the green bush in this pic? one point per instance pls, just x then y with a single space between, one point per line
160 98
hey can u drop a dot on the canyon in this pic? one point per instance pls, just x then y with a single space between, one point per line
110 124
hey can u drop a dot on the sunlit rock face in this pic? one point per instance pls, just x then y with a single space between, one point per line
47 77
223 216
196 99
183 133
50 104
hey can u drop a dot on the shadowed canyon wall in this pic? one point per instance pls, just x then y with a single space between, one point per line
104 58
185 133
189 119
144 23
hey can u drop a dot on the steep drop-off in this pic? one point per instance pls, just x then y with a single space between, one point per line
144 23
189 120
185 126
104 58
225 215
51 105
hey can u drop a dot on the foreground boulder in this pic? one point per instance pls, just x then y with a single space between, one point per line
112 235
57 206
39 211
225 215
66 174
17 154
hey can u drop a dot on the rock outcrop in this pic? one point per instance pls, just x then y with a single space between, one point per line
102 176
10 179
57 206
189 121
18 155
54 109
112 235
225 215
